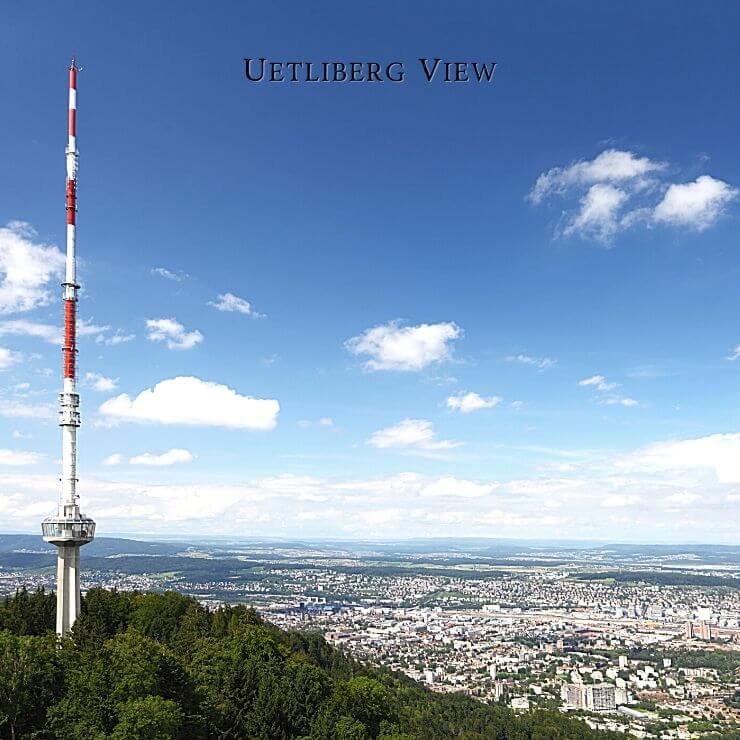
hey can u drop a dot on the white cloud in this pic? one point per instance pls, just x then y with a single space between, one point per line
17 410
630 497
18 457
598 216
115 459
467 402
171 457
456 488
100 383
411 434
87 329
682 498
618 501
233 304
627 402
173 333
599 382
324 421
719 453
26 268
51 333
178 277
696 204
541 363
195 402
119 337
8 358
734 354
405 348
22 327
618 190
611 166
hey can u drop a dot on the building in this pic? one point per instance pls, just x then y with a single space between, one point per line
573 695
600 697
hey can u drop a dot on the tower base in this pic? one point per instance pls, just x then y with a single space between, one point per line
68 586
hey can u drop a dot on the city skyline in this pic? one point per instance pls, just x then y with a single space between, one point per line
406 311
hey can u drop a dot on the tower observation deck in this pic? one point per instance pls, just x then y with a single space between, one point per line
68 529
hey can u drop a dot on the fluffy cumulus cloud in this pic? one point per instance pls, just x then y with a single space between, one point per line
194 402
413 434
172 333
101 383
392 346
718 453
598 215
465 403
611 166
619 189
170 457
697 204
230 303
734 354
28 268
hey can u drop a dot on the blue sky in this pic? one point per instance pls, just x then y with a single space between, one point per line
561 244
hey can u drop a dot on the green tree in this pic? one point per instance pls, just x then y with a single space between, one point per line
29 682
28 614
159 615
348 728
151 718
104 614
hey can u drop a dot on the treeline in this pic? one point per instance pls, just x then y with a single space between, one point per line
160 666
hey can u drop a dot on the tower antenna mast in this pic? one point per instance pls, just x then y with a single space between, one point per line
68 529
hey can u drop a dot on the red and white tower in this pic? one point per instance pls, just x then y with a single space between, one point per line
68 529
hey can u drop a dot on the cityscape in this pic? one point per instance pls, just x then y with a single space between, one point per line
638 640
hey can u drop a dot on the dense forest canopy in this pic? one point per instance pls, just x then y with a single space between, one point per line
154 666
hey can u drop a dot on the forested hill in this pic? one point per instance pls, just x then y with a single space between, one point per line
160 666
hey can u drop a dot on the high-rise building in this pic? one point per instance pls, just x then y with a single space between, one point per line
68 529
600 697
